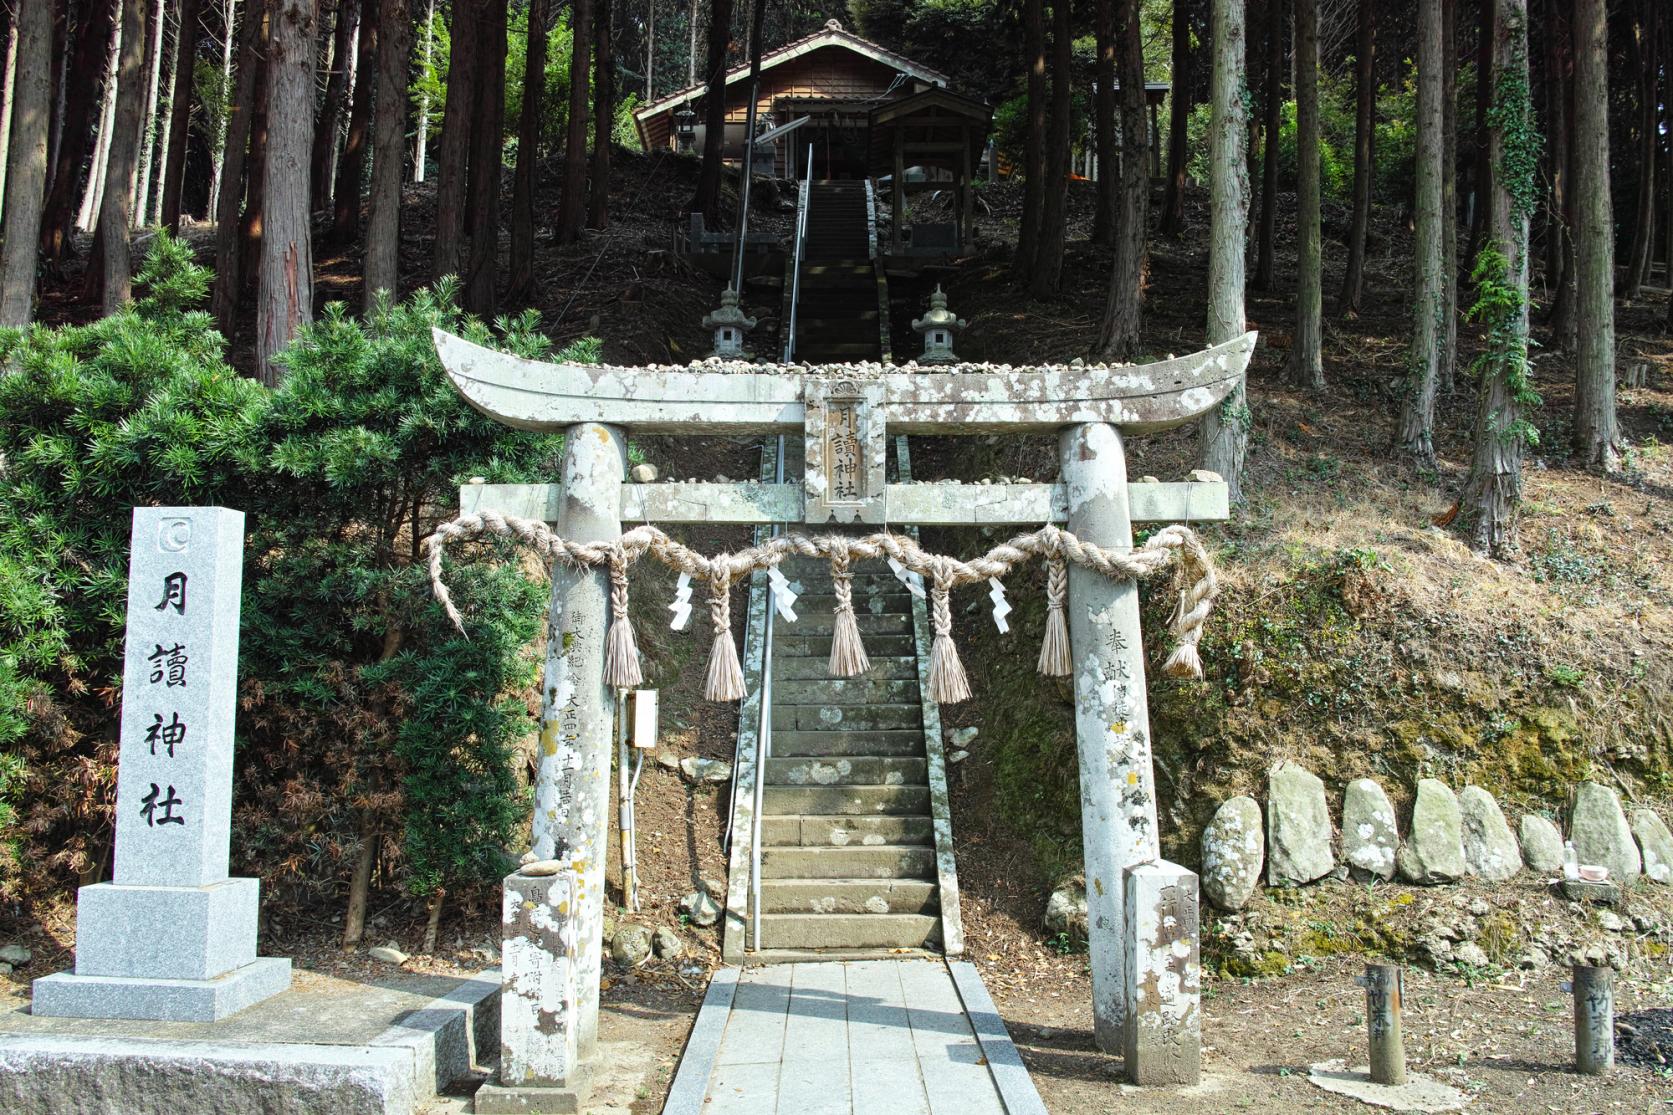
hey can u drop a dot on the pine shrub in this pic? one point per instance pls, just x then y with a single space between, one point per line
364 717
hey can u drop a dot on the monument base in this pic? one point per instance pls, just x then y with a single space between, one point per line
326 1045
534 1099
67 995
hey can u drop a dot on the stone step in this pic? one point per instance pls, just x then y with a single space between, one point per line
850 931
787 745
876 861
779 801
841 832
840 771
849 896
788 644
825 718
872 604
899 623
804 668
863 689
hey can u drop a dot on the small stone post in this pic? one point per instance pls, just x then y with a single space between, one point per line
1384 991
572 787
1594 1019
173 937
1112 717
538 1038
1163 975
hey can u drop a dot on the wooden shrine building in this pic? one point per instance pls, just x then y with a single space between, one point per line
859 111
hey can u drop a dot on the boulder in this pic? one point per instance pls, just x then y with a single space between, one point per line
1066 908
389 954
1434 848
1654 841
643 473
698 769
1542 844
631 946
1233 852
1369 838
1489 849
1298 828
16 955
1601 834
666 943
700 908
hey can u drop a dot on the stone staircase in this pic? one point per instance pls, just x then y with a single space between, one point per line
848 857
840 317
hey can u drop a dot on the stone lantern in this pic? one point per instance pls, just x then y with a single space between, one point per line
937 328
730 325
685 129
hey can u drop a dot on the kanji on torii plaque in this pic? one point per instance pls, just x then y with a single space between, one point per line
846 414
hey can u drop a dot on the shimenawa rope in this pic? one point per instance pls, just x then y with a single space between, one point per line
1171 546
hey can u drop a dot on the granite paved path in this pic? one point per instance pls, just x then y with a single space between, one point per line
908 1037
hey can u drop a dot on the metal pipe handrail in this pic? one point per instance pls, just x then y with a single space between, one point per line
803 200
763 744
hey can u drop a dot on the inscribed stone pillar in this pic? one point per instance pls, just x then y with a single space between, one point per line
173 937
537 971
572 787
1163 975
1112 718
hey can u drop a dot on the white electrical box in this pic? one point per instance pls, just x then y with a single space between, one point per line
644 718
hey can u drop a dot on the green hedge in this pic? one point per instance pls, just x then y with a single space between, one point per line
363 714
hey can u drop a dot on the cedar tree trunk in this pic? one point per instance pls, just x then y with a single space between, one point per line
1365 126
1224 430
453 155
1306 353
1034 143
285 297
1118 334
604 116
1179 116
482 262
114 233
1493 494
351 166
1417 416
228 288
31 107
1047 272
83 97
179 125
1271 111
707 201
1595 434
383 211
572 203
522 286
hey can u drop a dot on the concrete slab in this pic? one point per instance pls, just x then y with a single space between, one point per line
1418 1093
325 1044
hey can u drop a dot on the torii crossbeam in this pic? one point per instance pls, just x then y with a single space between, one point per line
846 413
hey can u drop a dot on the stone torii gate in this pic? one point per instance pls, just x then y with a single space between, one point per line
846 413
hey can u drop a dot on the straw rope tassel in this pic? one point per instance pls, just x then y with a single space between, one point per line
1055 661
1194 604
726 677
947 683
621 655
848 654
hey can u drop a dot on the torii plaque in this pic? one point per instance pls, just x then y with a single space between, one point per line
846 413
